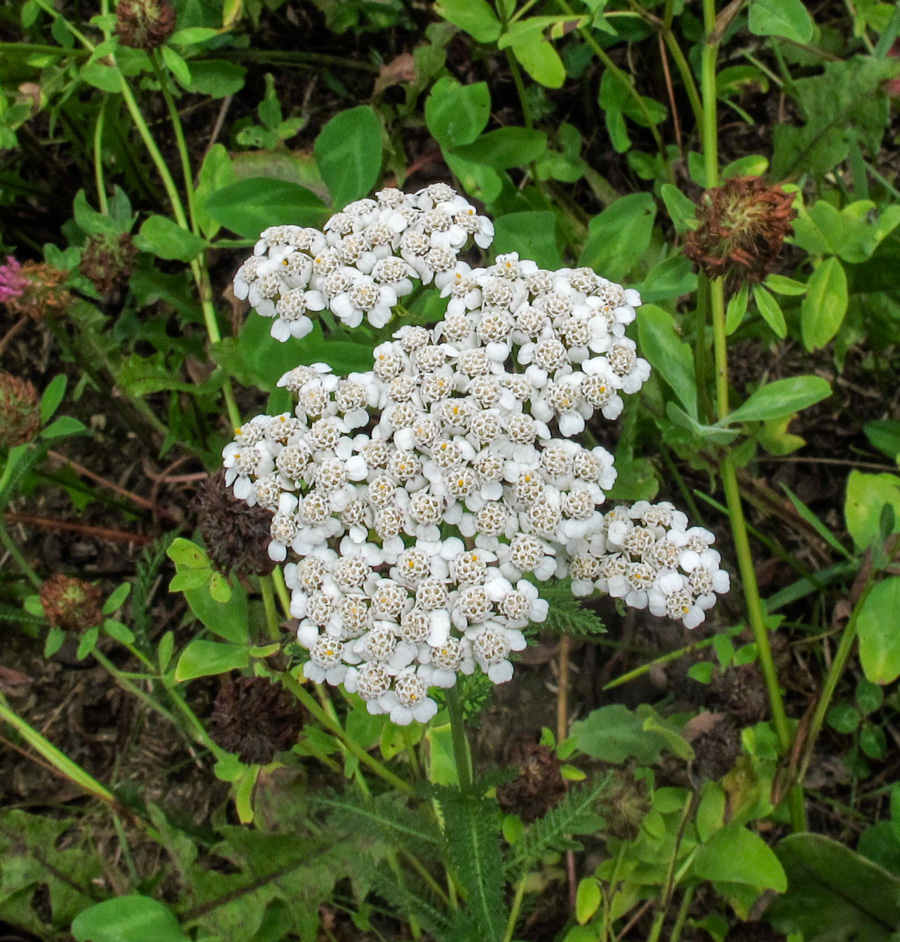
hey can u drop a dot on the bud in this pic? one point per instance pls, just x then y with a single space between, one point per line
34 289
144 24
628 804
71 604
20 411
108 261
236 535
742 228
255 719
539 785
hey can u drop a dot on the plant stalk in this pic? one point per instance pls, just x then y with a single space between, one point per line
461 753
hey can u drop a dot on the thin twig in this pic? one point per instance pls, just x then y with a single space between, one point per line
100 533
8 336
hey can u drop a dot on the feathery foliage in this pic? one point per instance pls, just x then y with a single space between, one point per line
567 615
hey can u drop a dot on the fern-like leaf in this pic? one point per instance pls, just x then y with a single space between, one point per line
147 570
472 827
433 920
384 818
567 615
577 813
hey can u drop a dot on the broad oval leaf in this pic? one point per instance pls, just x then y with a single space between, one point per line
165 239
505 148
668 354
249 206
456 114
204 658
127 919
348 152
737 855
770 310
879 639
825 304
783 397
786 18
542 62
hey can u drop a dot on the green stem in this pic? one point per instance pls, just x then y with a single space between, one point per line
336 730
131 688
683 911
728 470
281 590
98 158
600 53
16 554
516 908
669 885
268 595
836 670
461 752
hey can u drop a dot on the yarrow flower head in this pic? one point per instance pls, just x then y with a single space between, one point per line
419 505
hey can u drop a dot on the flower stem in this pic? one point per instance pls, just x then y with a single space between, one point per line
16 554
461 753
727 467
268 596
516 908
98 158
336 730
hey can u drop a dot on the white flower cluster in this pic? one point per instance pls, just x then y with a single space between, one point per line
424 498
364 261
647 555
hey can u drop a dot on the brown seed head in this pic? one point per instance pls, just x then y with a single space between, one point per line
71 604
236 535
144 24
20 411
539 786
255 719
742 228
108 261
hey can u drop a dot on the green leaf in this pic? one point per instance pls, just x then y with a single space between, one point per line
866 496
219 588
505 148
786 18
190 579
667 353
614 733
53 396
532 234
348 153
884 434
844 718
226 619
128 919
737 309
671 278
186 554
783 285
783 397
737 855
90 220
55 638
869 696
249 206
587 899
822 310
192 35
682 209
165 239
88 642
216 78
835 894
101 76
541 61
204 658
177 66
63 427
619 236
473 16
456 114
117 599
118 631
879 639
770 310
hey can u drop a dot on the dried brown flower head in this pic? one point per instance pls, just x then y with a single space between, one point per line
742 228
255 719
71 604
628 803
236 535
20 411
108 261
539 785
144 24
34 289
